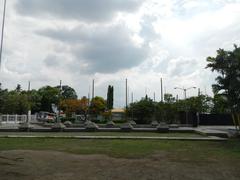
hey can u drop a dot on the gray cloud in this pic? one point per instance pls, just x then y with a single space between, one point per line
103 50
92 10
182 66
51 61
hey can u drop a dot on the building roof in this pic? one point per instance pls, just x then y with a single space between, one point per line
118 110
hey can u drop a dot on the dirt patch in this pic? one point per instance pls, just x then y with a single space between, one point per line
48 165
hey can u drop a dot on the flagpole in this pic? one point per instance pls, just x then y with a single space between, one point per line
3 25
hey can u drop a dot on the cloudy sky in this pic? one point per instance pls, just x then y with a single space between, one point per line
110 40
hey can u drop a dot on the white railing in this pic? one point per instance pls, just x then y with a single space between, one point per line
16 119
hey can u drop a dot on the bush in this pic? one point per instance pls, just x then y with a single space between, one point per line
72 120
120 121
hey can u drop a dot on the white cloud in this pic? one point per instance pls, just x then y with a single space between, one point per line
139 40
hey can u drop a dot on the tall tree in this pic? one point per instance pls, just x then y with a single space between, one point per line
68 92
110 98
49 95
227 65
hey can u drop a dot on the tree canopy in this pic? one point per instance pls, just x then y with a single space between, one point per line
227 65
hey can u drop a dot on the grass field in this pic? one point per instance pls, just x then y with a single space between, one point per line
125 148
118 159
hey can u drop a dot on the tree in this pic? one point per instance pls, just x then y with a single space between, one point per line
49 95
3 98
69 106
200 104
18 88
68 92
84 107
219 104
110 98
227 65
97 106
15 103
78 106
142 110
35 101
168 98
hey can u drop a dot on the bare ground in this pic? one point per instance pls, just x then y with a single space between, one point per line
52 165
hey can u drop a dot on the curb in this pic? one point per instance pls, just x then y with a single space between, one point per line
210 138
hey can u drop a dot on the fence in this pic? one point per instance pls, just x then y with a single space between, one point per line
205 119
15 119
215 119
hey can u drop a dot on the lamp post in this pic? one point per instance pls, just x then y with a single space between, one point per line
185 97
185 90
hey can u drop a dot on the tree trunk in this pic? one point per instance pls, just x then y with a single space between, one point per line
235 121
238 117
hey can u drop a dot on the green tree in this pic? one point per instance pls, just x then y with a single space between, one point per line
18 88
35 101
16 103
227 65
49 95
201 104
68 92
3 98
168 98
220 105
97 106
110 98
142 110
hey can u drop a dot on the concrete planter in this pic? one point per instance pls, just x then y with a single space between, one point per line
126 127
110 124
154 124
58 127
163 128
91 126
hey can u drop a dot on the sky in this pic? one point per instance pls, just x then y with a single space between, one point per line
110 40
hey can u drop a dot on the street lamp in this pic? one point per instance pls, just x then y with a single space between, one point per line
185 90
185 97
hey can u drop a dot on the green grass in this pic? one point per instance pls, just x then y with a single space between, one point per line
128 148
148 134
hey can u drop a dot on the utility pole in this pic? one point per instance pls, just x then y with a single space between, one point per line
29 86
59 109
3 25
93 88
199 92
132 103
161 90
154 97
89 89
29 110
126 93
132 97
